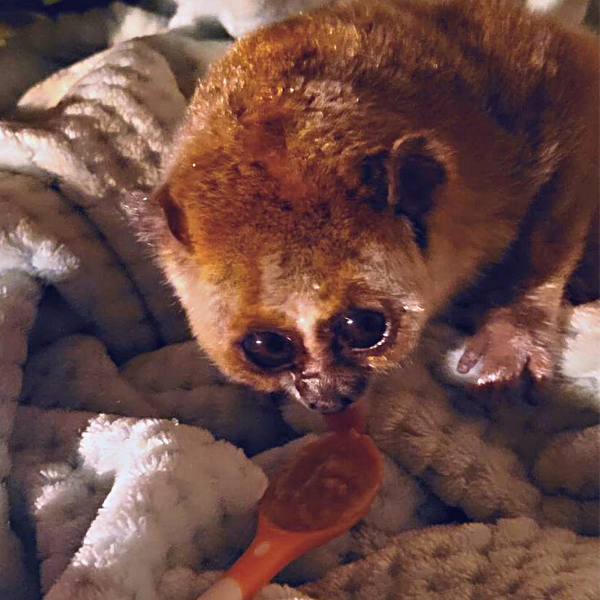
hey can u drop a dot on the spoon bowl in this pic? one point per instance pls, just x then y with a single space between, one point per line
322 493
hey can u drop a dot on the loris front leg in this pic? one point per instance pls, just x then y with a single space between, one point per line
523 335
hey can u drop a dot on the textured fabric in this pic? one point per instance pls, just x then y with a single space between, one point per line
513 559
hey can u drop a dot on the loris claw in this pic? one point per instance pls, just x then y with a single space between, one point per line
342 176
504 348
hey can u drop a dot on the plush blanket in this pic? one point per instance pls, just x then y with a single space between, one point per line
130 468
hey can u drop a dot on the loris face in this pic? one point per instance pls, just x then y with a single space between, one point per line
297 226
287 256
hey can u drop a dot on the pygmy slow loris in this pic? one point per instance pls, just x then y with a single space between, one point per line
342 176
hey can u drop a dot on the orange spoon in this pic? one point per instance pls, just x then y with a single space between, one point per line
324 491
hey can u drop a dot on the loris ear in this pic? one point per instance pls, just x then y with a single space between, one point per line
175 215
417 169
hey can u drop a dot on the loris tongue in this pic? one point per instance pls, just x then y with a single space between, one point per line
351 418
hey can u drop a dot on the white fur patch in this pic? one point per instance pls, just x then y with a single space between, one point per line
397 274
299 304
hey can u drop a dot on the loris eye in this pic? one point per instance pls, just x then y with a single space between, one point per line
268 349
362 328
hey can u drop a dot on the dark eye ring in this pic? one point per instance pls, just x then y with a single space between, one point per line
268 350
362 329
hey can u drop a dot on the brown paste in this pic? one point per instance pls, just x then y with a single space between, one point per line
323 484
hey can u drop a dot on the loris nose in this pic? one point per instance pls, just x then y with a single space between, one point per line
328 394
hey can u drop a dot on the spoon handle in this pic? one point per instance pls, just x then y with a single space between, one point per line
271 550
225 589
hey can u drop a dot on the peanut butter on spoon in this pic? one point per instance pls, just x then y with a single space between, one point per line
323 492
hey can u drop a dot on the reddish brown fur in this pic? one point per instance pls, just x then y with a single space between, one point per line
264 181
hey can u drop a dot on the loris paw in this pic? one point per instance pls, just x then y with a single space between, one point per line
504 349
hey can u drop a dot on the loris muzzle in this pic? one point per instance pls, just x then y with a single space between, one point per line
340 177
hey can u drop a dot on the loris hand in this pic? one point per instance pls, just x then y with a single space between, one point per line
508 345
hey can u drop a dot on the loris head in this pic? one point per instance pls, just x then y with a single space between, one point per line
295 206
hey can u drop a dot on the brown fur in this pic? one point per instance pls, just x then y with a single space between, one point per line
277 230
